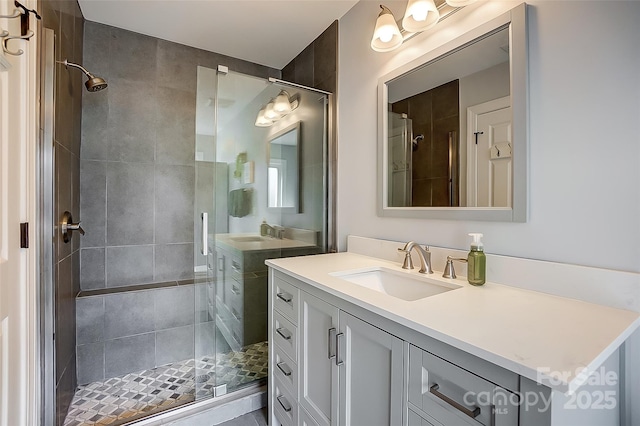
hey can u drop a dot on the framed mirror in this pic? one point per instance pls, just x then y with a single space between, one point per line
452 128
283 174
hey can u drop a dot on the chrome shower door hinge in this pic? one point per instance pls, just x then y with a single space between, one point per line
220 390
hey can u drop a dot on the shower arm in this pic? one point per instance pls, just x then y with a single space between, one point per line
80 67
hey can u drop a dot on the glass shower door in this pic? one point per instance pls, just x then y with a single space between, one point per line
241 159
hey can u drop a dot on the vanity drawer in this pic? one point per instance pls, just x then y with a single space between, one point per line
452 395
233 292
286 297
285 370
285 407
285 335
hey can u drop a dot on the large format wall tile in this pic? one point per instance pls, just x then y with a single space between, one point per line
93 202
127 314
129 265
175 344
89 320
131 128
174 307
90 363
176 126
92 270
133 56
173 262
175 187
130 189
134 353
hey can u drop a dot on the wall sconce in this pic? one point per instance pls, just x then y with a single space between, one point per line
420 15
277 108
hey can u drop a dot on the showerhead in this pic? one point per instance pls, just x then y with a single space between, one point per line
414 141
93 84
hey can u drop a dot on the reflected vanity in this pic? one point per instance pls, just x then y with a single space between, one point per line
452 128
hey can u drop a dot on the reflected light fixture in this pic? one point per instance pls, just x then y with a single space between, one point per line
277 108
261 120
386 35
420 15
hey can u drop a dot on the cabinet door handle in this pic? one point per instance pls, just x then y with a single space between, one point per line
284 333
235 266
339 361
332 336
285 297
473 413
284 403
282 366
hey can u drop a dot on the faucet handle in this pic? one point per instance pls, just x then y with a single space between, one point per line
449 270
408 261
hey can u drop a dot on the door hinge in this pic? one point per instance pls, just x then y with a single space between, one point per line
24 235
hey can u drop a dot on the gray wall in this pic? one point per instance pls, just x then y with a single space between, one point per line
137 157
65 18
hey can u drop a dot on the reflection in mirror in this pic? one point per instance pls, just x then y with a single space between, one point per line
452 128
282 173
436 113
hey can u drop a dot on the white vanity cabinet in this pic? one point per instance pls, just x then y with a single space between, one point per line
343 364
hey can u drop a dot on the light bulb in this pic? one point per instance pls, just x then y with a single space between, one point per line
420 15
385 35
262 121
270 113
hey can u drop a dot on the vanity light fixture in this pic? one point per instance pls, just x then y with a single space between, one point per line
386 35
277 108
420 15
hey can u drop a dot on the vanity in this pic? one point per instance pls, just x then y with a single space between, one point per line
240 297
347 348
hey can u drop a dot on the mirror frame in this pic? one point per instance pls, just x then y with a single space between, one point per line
516 20
297 128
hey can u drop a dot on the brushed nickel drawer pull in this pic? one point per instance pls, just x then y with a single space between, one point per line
285 297
339 362
332 336
284 333
235 314
473 413
285 405
282 366
235 290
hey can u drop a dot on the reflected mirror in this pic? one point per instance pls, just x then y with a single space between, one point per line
282 173
452 128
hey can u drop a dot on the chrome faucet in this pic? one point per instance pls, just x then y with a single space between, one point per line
423 253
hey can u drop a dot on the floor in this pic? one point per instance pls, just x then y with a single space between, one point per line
119 400
255 418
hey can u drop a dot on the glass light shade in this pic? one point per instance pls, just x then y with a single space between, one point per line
262 121
459 3
386 35
420 15
270 113
281 104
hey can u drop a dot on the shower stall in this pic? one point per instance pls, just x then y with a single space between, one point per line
191 194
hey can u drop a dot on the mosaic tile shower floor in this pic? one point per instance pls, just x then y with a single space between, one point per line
119 400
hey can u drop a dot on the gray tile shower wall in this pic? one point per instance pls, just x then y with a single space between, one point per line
137 175
65 19
128 331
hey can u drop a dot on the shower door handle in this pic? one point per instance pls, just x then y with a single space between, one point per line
205 232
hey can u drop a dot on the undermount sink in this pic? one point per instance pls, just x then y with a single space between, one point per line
249 239
401 285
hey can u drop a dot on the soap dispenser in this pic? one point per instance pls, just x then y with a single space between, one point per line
476 261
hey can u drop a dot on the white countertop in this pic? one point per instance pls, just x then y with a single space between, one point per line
553 340
253 242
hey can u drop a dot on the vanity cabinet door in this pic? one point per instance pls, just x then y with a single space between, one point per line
371 374
318 325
